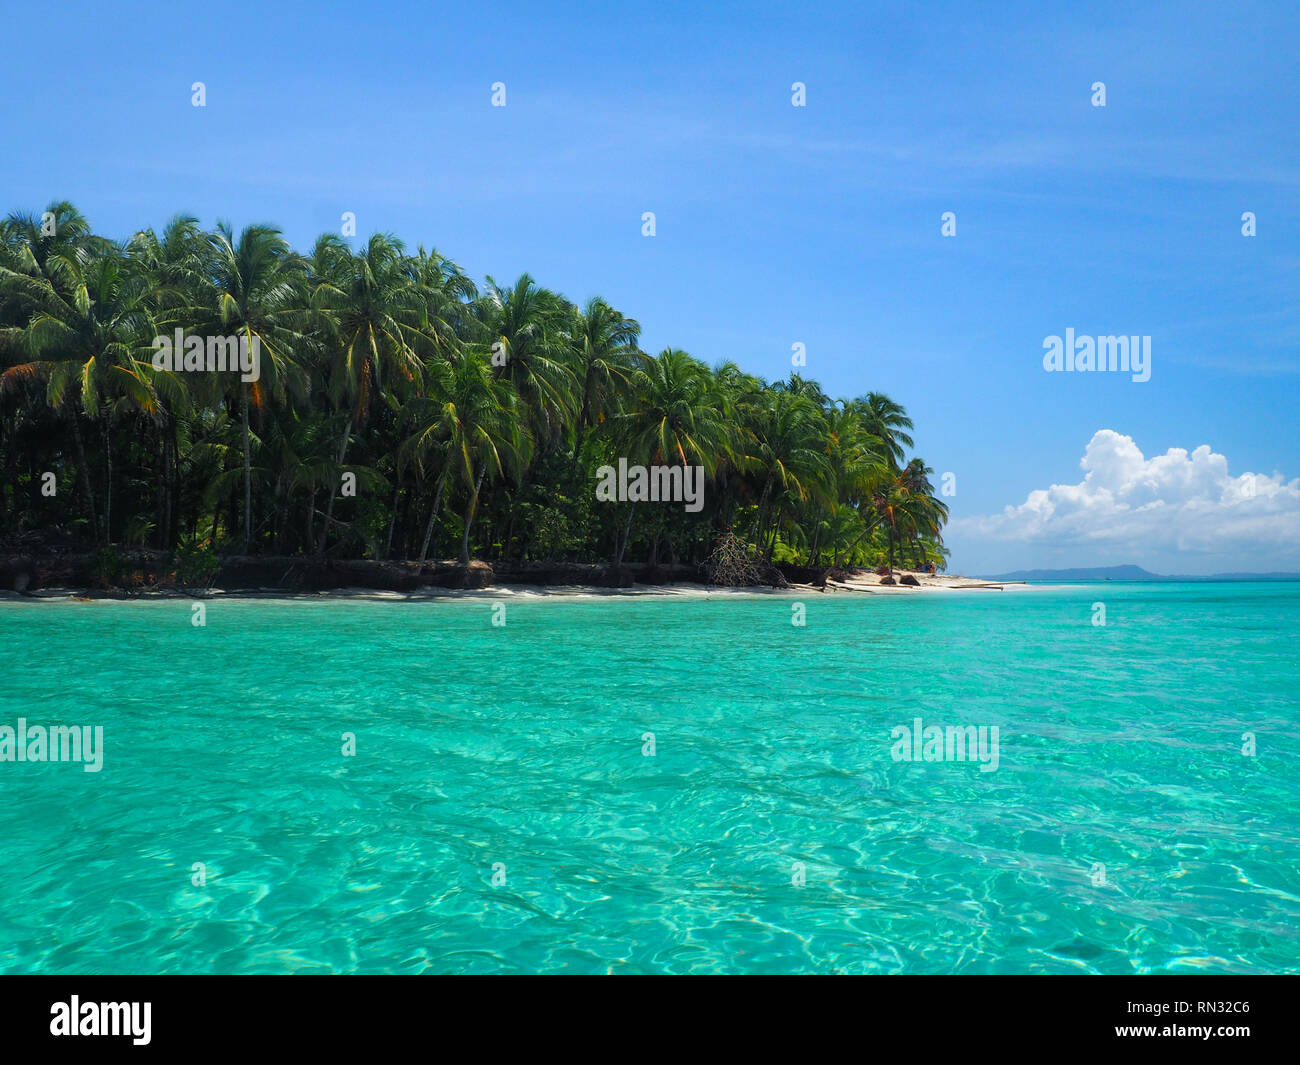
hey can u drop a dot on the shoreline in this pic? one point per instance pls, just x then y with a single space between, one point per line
865 583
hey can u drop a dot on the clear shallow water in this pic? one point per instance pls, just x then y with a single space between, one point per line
522 745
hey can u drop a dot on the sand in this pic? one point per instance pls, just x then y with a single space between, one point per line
865 583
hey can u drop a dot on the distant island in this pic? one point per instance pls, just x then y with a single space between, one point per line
1131 573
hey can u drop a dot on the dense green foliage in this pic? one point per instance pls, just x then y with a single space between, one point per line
473 420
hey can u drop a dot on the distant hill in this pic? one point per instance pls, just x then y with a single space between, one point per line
1092 573
1131 573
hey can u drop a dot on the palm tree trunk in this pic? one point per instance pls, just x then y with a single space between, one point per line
849 550
516 502
577 451
329 510
469 516
433 514
160 493
776 530
248 469
283 497
622 545
84 472
108 474
510 525
174 515
392 523
762 514
583 415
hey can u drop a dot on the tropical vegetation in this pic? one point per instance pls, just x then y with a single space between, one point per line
403 412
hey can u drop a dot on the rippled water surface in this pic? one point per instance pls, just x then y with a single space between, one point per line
1119 747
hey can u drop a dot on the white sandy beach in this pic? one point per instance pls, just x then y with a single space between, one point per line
865 583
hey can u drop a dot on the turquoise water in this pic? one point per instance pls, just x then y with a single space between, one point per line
1120 746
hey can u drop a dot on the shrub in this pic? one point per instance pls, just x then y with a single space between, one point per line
107 566
197 564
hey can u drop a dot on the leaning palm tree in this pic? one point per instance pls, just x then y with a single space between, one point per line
258 287
906 509
924 513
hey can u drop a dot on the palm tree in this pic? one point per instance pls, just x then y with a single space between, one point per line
448 299
924 514
177 267
888 421
55 246
258 287
856 465
525 325
798 385
373 313
178 263
52 251
906 508
789 457
605 354
88 337
470 425
673 418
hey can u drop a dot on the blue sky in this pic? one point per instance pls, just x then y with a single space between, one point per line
778 224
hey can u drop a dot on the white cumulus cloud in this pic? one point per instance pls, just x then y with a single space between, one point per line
1171 503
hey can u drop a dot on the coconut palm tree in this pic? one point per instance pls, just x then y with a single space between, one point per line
605 359
177 268
906 509
672 418
526 327
88 337
887 421
468 427
55 246
789 458
924 514
449 297
52 251
259 290
856 464
374 314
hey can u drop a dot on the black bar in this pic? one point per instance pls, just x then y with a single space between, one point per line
202 1015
